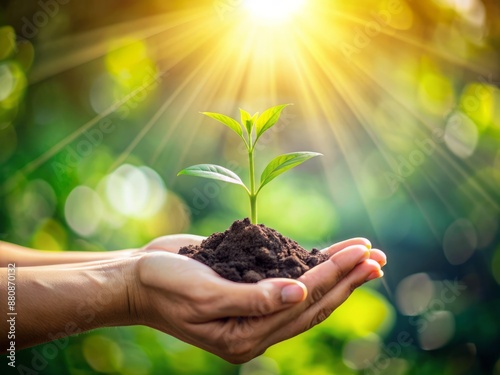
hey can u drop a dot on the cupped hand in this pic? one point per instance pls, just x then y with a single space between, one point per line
237 322
172 243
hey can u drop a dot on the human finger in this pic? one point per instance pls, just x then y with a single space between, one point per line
378 256
249 300
272 295
321 310
365 271
321 279
335 248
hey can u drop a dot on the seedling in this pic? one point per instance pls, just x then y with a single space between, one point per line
254 127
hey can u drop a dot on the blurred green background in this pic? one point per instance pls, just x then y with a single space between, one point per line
99 109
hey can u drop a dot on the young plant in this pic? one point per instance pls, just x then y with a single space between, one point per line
254 127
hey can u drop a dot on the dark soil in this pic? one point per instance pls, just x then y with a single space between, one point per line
248 253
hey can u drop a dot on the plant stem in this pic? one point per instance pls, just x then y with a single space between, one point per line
253 195
253 208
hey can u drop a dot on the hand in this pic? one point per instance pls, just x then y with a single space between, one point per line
238 322
172 243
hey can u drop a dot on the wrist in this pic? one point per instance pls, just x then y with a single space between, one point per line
122 283
77 299
112 292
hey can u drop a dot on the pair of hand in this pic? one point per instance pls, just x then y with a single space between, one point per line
237 322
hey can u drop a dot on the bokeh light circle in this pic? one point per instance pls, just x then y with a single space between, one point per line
438 330
459 242
414 293
135 191
260 366
359 353
461 135
7 82
103 354
83 210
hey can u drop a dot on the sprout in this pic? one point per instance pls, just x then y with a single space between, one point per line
255 126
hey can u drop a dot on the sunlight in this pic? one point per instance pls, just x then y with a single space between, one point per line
273 11
225 61
102 106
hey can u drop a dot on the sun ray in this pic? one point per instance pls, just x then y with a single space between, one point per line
11 182
364 121
191 78
445 168
222 64
237 77
410 41
342 139
42 159
55 64
359 109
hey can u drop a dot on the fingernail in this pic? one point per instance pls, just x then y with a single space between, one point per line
292 294
375 275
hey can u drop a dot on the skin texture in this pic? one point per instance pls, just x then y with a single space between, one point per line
60 294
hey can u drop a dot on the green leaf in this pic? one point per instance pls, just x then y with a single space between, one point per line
247 121
214 172
269 118
283 163
226 120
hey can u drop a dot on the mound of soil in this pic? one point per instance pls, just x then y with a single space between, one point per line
248 253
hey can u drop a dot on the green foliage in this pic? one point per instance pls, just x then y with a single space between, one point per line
247 120
277 166
226 120
214 172
283 163
268 119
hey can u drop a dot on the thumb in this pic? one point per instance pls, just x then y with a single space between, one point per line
263 298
